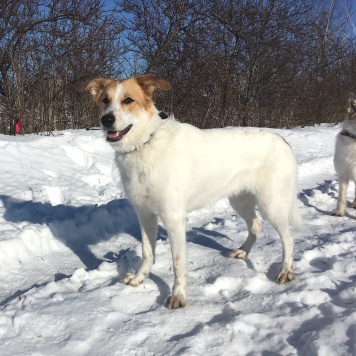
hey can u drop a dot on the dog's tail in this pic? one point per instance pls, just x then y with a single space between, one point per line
294 215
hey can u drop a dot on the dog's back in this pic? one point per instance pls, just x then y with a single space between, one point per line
203 166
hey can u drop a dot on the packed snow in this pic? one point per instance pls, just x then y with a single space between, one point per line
68 236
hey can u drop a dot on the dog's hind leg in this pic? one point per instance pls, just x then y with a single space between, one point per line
277 215
245 205
286 274
148 224
354 202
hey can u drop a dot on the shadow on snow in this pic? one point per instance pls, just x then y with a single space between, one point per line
80 227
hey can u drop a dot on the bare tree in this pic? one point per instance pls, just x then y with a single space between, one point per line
250 62
47 49
275 63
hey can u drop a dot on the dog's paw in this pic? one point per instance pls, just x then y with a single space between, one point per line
175 302
240 254
337 213
353 204
132 280
285 276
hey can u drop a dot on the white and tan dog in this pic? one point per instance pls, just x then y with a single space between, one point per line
345 156
170 168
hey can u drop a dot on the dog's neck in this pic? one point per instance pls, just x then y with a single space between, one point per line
347 133
163 116
136 148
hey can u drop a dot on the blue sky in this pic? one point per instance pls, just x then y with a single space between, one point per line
109 4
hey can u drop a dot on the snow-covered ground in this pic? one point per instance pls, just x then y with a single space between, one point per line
67 236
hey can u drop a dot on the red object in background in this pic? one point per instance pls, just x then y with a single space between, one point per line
18 125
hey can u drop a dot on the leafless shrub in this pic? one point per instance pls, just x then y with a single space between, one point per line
47 50
275 63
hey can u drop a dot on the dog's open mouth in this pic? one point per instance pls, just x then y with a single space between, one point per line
114 136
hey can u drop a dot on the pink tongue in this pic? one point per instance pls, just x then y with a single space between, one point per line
113 135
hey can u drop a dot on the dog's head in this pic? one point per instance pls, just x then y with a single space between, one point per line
351 107
127 112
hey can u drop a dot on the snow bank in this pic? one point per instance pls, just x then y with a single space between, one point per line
68 235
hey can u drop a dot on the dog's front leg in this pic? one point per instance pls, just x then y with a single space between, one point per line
148 224
354 202
341 200
176 233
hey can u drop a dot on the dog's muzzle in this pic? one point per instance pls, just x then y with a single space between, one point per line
108 121
114 136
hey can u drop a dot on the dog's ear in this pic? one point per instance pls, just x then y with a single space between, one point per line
149 83
351 104
95 86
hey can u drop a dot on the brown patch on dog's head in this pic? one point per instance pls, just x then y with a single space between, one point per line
134 92
140 89
96 86
149 83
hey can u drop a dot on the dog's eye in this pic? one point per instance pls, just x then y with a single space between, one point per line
106 101
128 100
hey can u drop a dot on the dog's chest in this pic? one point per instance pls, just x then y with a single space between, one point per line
345 156
347 148
140 181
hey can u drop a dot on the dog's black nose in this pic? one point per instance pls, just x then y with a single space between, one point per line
108 120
